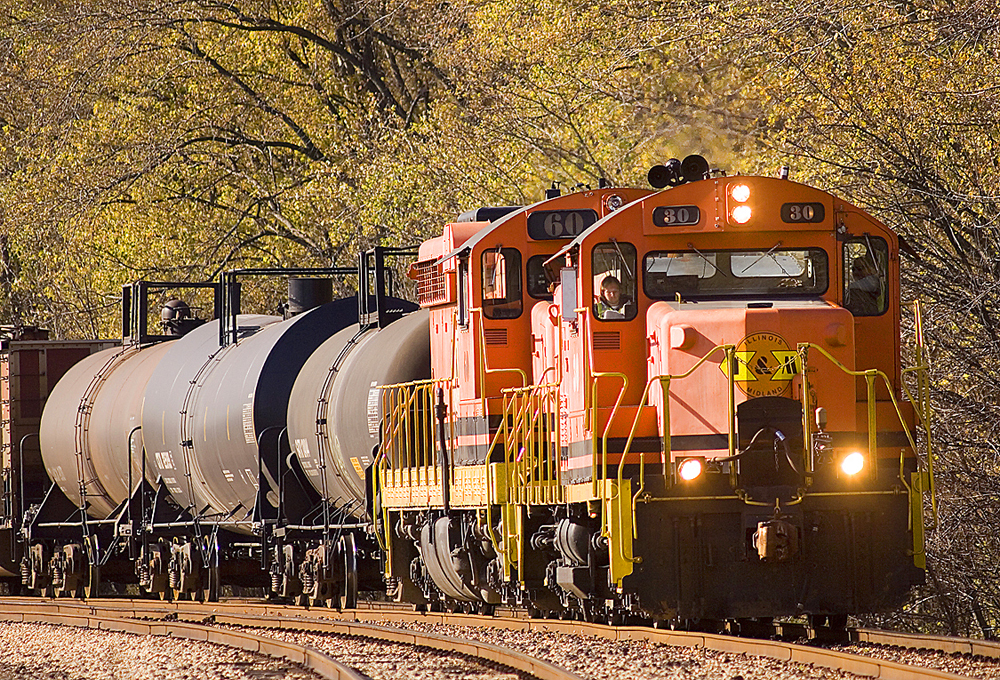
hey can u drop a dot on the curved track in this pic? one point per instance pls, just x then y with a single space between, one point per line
201 622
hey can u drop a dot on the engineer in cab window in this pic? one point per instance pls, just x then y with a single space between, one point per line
613 302
864 289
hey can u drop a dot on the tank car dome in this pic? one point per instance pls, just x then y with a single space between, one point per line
175 309
177 319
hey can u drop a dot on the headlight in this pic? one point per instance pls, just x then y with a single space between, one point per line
741 214
690 469
853 463
614 201
740 192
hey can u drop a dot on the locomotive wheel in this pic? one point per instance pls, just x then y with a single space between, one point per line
93 584
210 585
166 595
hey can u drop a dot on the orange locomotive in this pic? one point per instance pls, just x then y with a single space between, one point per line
693 409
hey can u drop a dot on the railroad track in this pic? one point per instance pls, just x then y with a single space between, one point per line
235 623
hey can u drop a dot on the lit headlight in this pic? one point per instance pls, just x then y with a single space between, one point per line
853 463
690 469
740 192
741 214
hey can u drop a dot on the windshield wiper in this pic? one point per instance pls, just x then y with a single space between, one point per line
704 257
769 253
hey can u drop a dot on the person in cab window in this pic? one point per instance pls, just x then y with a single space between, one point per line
612 303
865 288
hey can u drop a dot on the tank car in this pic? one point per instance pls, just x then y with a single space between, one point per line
170 455
30 366
706 419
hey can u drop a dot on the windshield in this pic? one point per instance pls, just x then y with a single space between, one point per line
732 273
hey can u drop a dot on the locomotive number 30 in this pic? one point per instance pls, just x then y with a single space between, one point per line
802 212
676 216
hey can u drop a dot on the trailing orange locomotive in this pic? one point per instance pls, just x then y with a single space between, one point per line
682 405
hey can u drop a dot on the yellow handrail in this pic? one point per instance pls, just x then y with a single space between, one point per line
594 378
922 369
525 410
870 376
484 365
665 385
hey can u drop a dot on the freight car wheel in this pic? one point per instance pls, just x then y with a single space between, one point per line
210 585
348 597
93 582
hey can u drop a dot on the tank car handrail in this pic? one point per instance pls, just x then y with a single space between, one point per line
81 425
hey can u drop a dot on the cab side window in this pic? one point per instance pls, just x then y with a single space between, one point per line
502 283
866 276
539 284
615 281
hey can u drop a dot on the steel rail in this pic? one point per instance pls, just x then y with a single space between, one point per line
304 655
363 622
989 649
193 620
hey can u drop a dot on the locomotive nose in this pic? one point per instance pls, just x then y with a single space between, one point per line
755 350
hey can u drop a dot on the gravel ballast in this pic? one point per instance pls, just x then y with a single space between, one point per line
47 652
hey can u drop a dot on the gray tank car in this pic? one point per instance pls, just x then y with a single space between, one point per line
333 416
87 422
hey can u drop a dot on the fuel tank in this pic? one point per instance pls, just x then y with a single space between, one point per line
207 409
334 411
87 421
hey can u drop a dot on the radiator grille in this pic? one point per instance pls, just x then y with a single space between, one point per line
607 341
495 336
431 285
